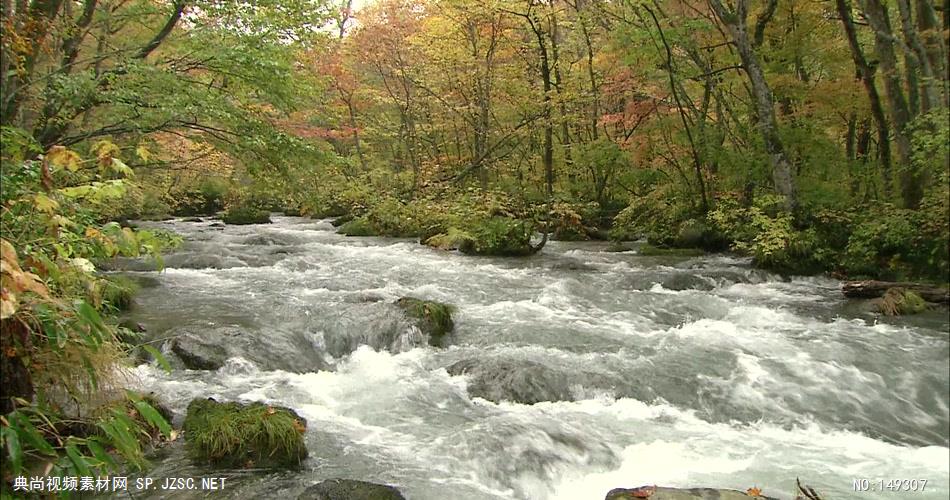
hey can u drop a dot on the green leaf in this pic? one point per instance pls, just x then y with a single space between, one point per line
14 450
153 417
100 453
159 357
21 423
77 458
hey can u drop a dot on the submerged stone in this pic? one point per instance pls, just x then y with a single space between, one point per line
434 319
350 489
521 381
252 435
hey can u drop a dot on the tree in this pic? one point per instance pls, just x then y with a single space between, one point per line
736 23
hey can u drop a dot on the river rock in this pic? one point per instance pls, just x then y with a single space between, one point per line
519 381
434 319
350 489
252 435
662 493
208 348
197 353
687 281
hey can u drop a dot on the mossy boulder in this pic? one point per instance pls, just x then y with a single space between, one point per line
498 236
900 301
245 215
359 226
434 319
350 489
244 435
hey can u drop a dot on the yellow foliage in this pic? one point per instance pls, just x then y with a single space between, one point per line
15 281
64 158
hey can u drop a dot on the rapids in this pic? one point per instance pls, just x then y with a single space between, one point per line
670 370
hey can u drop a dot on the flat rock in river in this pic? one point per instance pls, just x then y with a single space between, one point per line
350 489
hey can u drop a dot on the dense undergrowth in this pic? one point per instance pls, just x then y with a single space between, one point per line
63 409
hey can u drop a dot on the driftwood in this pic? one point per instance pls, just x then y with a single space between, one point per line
872 289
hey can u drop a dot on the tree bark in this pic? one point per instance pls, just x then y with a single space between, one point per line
910 179
735 23
872 289
866 74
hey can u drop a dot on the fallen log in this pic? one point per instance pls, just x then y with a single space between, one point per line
871 289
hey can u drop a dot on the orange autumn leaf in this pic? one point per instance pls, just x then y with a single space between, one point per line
754 491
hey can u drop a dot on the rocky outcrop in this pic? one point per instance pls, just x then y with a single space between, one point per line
252 435
350 489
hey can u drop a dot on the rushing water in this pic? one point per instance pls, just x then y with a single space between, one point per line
670 371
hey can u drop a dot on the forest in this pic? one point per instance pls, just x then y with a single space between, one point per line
809 137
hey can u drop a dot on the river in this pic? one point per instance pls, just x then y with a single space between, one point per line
671 371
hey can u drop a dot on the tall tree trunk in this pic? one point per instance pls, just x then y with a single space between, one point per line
735 23
935 45
356 132
562 107
910 178
866 74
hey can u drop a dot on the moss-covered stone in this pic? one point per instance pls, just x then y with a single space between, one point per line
498 236
359 226
350 489
244 435
900 301
433 318
245 215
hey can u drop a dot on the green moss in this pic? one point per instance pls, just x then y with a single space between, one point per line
653 251
117 292
238 435
245 215
900 301
359 226
434 318
453 239
499 236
